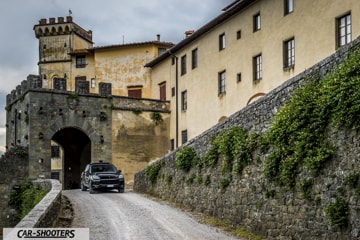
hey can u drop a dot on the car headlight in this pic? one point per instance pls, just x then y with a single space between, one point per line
95 177
121 177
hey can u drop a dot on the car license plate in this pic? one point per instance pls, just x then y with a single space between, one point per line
110 185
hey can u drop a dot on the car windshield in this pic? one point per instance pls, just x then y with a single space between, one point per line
103 168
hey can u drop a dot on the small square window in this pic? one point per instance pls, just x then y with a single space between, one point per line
238 77
80 61
173 91
238 34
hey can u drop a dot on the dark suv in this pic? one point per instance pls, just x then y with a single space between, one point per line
102 175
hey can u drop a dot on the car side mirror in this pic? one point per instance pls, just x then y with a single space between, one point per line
119 171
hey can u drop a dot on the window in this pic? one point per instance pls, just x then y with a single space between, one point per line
184 100
80 61
257 67
172 144
162 91
93 83
173 91
55 151
222 82
184 136
289 53
222 41
161 51
194 58
238 34
288 6
134 92
257 22
343 29
238 77
81 85
183 65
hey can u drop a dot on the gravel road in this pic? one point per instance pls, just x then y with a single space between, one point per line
130 215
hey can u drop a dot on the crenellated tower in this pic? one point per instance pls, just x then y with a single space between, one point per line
58 40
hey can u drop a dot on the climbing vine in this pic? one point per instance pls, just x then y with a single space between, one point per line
298 132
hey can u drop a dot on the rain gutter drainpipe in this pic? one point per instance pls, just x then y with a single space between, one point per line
176 100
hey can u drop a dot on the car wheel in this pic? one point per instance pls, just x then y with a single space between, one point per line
83 188
91 189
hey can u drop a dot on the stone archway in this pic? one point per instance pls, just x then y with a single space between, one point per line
77 153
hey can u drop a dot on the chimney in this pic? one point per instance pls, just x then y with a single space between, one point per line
51 20
60 20
158 37
188 33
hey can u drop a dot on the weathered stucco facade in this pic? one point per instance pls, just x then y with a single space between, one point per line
231 43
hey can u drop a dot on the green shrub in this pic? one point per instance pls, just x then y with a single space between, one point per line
156 118
153 171
297 136
26 198
186 158
235 145
338 213
352 180
207 180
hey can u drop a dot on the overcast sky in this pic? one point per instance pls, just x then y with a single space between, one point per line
112 22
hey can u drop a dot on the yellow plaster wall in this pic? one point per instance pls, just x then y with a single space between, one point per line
312 24
124 67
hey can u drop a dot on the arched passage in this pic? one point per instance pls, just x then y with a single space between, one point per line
77 153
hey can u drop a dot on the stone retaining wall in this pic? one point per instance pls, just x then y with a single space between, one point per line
46 211
283 214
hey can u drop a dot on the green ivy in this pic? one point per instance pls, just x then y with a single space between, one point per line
103 116
297 136
73 96
156 118
153 171
186 158
137 111
338 213
26 198
235 145
352 180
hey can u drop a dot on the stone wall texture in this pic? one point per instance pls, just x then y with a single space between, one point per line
13 172
246 202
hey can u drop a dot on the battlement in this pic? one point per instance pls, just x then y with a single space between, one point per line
32 82
51 27
43 21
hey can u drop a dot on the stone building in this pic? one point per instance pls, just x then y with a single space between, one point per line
87 104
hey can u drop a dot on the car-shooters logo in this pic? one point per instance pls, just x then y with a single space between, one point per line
46 233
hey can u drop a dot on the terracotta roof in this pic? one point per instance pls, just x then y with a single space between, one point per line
229 11
157 43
